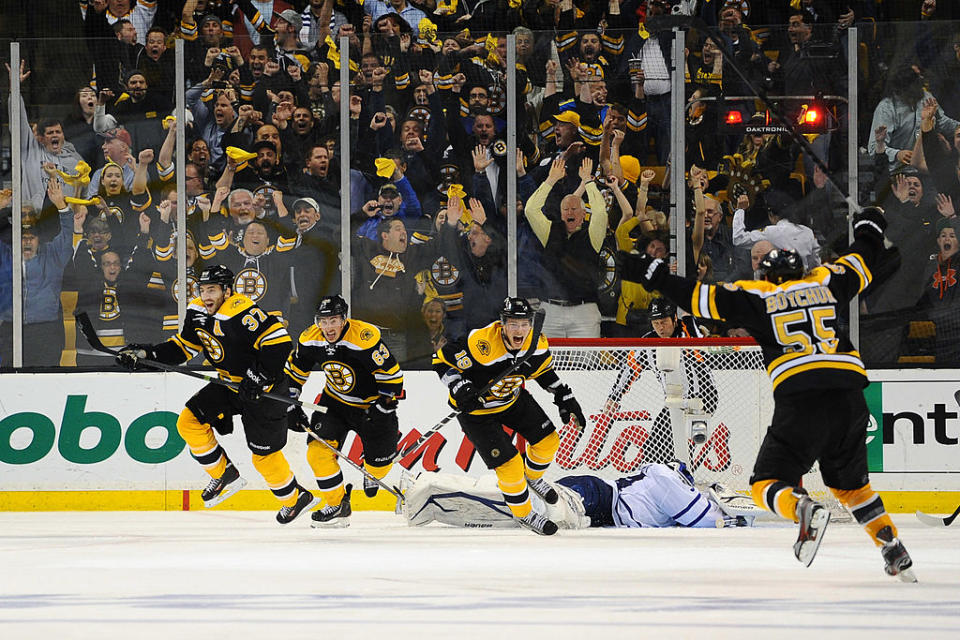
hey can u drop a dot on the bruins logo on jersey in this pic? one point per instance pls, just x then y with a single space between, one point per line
251 283
193 289
506 387
443 272
211 345
483 347
109 307
366 335
339 376
113 211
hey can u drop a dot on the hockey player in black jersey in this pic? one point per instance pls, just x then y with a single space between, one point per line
468 365
692 379
818 379
248 347
363 383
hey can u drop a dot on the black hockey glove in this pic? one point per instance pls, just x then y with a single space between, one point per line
639 267
253 383
130 356
568 406
296 418
465 395
869 224
381 411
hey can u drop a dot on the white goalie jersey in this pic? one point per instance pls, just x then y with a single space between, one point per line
657 496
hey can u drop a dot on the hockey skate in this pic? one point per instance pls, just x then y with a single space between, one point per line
538 524
814 518
896 560
219 489
337 517
370 487
305 502
543 489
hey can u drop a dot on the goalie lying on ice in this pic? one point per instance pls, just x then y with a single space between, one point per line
658 495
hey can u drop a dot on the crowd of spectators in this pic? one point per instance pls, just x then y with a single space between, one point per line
427 112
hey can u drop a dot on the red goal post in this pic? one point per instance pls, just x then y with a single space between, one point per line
705 401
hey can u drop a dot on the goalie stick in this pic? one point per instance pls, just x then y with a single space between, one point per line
86 328
937 521
534 339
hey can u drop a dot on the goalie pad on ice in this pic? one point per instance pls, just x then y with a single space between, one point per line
734 504
459 501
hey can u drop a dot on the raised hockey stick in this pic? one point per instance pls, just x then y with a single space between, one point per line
534 339
86 328
937 521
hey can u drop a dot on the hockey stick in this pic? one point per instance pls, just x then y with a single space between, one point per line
86 328
937 521
534 339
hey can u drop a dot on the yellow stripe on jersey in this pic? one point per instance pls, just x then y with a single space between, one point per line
703 303
189 349
277 335
393 375
791 364
855 261
296 372
236 304
547 363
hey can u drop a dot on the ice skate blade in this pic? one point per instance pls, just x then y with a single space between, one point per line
907 575
231 489
314 502
336 523
806 550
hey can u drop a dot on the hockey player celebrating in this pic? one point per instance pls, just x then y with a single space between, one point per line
820 413
246 346
363 382
486 354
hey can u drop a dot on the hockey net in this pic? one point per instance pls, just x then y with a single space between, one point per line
706 402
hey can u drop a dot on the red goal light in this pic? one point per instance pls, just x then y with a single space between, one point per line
812 117
734 117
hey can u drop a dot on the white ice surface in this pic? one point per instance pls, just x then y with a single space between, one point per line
237 575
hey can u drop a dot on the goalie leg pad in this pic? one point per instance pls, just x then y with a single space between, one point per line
513 485
456 501
326 470
202 442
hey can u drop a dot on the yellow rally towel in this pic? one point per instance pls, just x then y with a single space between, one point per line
82 177
446 4
70 200
168 122
456 191
385 167
428 30
238 155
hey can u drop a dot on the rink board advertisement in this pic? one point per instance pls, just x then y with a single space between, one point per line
85 432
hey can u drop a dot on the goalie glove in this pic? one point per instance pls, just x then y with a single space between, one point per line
253 385
131 355
642 268
869 224
464 394
568 406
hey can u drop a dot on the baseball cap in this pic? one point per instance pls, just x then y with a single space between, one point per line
291 16
571 117
210 18
264 144
631 168
390 190
305 202
119 133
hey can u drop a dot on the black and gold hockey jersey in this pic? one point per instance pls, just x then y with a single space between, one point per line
794 322
483 357
240 335
359 367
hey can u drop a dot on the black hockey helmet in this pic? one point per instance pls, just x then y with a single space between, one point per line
331 306
515 308
217 274
662 308
780 265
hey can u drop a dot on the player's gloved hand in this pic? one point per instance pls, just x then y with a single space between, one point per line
384 408
296 418
465 395
869 224
568 406
253 383
131 355
639 267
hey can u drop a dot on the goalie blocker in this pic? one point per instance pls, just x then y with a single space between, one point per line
660 495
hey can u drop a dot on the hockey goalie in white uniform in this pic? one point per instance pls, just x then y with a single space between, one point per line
658 495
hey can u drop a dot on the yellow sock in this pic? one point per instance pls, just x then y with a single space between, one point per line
540 455
776 496
512 483
323 461
867 507
276 471
378 472
203 443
